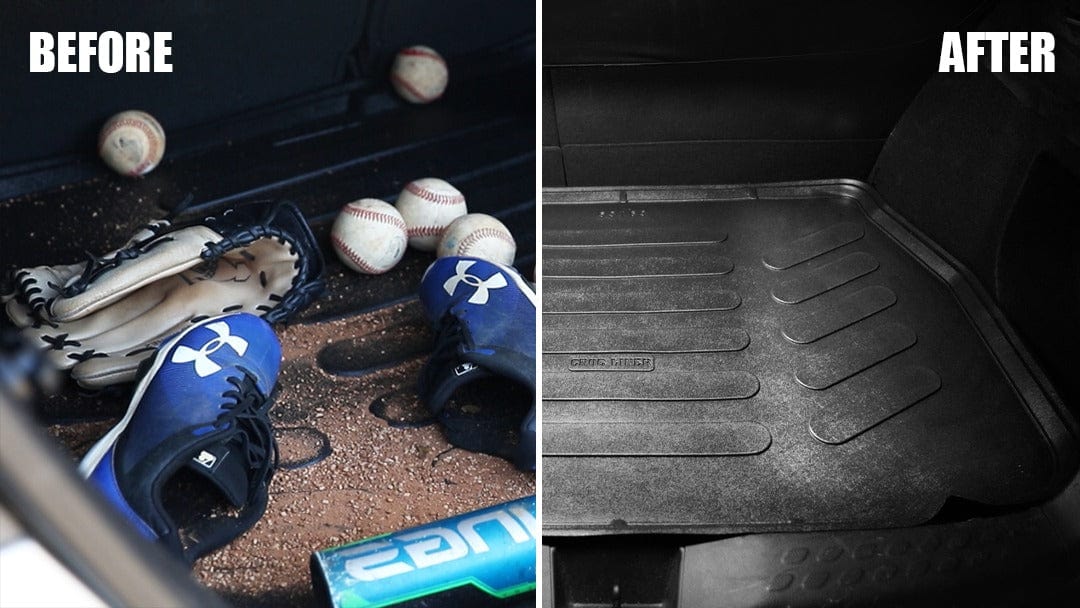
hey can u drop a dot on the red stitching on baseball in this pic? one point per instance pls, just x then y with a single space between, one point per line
142 125
382 218
415 52
355 257
482 233
426 230
413 90
434 197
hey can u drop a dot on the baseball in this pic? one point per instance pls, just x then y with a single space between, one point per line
369 236
428 206
478 235
419 74
132 143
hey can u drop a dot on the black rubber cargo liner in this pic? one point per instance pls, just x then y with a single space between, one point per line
778 357
1028 557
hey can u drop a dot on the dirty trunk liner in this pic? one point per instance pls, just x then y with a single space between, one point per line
360 455
788 357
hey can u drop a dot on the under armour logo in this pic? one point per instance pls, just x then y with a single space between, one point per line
203 365
482 286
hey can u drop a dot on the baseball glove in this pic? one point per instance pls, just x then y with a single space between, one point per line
102 317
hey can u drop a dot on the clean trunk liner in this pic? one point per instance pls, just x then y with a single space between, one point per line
790 357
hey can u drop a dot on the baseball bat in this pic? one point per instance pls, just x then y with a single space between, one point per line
482 558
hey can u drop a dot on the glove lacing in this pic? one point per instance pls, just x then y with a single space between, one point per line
97 266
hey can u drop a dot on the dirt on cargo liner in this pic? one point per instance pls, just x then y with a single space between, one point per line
345 474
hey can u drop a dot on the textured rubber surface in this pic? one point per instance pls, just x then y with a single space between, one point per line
1023 557
786 357
983 561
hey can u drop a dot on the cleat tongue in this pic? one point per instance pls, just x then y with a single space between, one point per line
223 465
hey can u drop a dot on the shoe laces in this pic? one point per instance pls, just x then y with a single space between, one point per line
247 408
448 335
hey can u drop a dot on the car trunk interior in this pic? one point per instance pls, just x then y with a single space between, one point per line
290 101
809 306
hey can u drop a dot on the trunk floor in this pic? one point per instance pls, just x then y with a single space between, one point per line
733 359
359 454
345 472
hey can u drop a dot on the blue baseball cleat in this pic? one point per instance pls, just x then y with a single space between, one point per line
200 406
485 357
